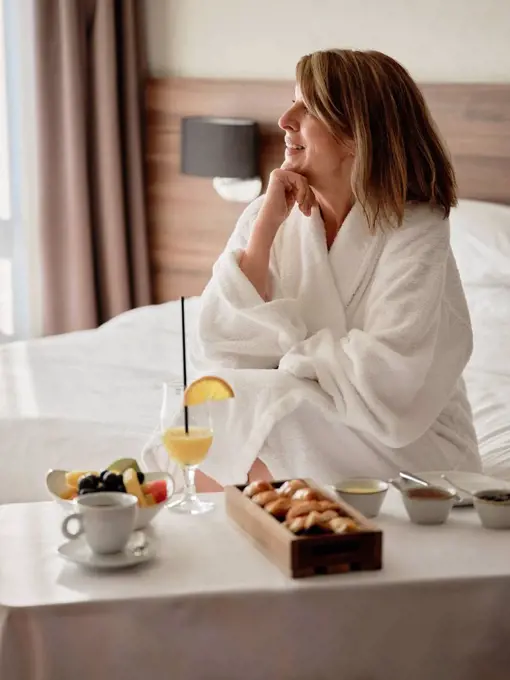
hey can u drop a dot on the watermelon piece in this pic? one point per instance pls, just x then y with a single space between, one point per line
150 499
157 489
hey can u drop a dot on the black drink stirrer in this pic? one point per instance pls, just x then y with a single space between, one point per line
184 372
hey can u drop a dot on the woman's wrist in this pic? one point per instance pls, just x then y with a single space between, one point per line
254 261
265 229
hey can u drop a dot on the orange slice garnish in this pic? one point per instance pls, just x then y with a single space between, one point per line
208 388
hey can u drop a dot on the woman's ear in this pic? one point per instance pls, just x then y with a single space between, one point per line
351 148
348 147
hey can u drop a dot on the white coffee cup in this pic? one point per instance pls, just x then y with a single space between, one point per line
106 519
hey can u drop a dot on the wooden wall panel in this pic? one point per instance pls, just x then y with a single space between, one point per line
189 223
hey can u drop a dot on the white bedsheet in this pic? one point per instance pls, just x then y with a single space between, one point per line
84 399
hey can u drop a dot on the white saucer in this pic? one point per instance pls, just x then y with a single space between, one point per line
78 551
472 481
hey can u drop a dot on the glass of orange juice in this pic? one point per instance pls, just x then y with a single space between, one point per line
187 446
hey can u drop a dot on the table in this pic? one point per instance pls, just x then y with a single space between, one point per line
211 606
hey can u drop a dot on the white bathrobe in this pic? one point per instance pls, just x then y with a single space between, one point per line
355 365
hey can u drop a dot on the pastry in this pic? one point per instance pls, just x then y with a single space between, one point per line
313 519
279 507
257 487
297 525
301 508
290 487
343 525
331 505
306 494
264 497
327 516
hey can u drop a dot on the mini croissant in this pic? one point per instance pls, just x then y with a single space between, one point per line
257 487
306 494
331 505
343 525
279 507
303 509
265 497
290 487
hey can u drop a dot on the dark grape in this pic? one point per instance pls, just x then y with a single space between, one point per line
88 482
120 487
103 474
141 477
111 481
83 492
100 486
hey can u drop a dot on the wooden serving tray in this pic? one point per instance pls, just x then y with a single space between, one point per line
299 556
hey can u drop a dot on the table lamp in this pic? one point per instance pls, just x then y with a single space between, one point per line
225 149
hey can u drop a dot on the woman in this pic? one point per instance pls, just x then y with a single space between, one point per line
336 310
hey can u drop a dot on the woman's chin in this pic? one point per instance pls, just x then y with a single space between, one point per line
292 164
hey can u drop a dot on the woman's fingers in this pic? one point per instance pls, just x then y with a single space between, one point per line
297 190
302 193
312 201
308 202
301 190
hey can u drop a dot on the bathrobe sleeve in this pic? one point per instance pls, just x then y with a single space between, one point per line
236 328
393 376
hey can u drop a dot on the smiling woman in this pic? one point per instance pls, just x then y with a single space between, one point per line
340 289
311 149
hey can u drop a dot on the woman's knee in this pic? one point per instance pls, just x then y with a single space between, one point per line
206 484
259 471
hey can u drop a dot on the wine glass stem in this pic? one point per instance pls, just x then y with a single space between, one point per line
190 490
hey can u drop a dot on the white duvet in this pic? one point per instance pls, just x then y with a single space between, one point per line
88 397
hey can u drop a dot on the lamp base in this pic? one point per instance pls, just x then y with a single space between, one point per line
240 190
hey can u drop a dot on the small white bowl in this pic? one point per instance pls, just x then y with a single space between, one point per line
493 514
423 508
364 494
56 484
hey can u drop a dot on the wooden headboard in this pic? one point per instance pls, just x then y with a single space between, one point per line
189 223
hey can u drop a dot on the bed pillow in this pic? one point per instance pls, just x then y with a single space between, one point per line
480 236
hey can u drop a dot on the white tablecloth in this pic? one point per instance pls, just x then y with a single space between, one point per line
211 606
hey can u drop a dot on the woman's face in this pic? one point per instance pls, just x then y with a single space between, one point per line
310 148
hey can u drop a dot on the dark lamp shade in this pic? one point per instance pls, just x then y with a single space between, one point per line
219 147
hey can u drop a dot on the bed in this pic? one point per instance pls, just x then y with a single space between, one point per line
84 398
87 398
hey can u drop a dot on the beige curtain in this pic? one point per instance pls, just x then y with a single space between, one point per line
89 82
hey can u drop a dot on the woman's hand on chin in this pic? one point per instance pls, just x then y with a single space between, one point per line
285 189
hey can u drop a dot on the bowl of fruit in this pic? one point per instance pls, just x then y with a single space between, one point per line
153 489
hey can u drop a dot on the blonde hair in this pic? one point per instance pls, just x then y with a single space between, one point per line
369 98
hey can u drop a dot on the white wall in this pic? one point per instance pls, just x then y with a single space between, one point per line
437 40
